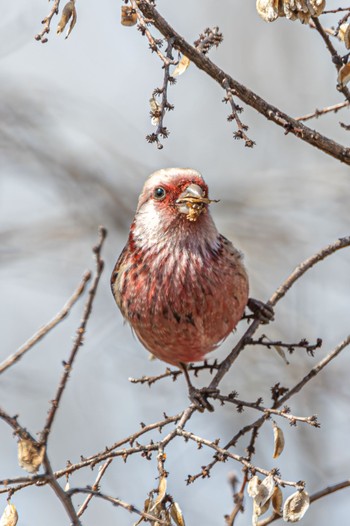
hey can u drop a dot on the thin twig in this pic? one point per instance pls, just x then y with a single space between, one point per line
47 22
317 113
234 115
224 454
95 487
117 502
48 327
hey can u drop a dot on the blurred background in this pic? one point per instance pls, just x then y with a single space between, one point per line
73 119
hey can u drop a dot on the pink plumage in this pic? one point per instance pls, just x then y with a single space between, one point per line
180 284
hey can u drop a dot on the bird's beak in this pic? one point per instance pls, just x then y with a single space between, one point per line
192 202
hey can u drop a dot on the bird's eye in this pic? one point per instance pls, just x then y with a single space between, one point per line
159 193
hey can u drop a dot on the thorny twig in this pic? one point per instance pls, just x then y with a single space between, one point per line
47 22
234 115
48 327
116 502
158 112
290 347
174 373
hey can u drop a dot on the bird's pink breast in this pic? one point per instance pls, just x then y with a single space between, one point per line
182 303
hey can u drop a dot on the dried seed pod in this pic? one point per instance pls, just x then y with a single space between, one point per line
253 486
316 7
155 118
176 514
265 491
278 440
344 74
267 9
276 500
128 16
9 516
296 506
304 17
260 510
181 67
68 13
344 34
161 492
30 454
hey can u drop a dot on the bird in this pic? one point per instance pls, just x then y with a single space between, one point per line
180 284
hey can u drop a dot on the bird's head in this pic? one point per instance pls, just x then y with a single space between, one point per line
175 193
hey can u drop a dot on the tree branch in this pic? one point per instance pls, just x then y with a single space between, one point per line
269 111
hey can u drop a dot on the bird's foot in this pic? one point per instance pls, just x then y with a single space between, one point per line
199 397
261 311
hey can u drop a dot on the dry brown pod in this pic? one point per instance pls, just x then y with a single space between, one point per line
128 16
344 74
176 514
268 9
276 500
253 486
296 506
155 119
265 491
344 34
161 492
181 67
9 516
69 13
278 441
30 454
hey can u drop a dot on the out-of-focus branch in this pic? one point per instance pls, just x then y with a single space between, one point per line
48 327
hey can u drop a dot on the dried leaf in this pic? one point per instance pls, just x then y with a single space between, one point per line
267 9
344 74
253 486
181 67
72 22
176 514
296 506
155 111
161 492
9 516
128 16
344 34
30 454
67 13
276 500
265 491
278 440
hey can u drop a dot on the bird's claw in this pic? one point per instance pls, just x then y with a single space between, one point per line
199 397
261 311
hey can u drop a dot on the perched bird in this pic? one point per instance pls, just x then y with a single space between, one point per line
180 284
